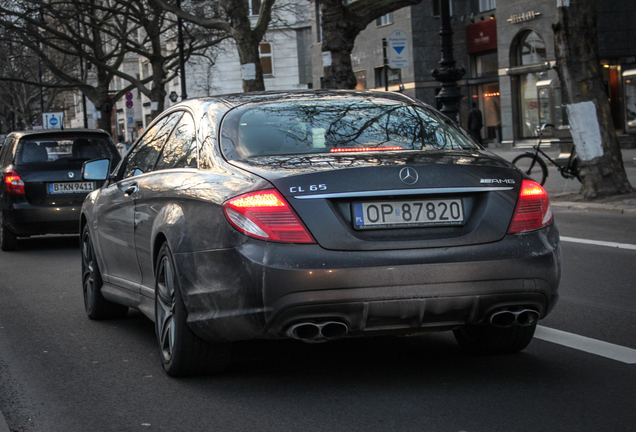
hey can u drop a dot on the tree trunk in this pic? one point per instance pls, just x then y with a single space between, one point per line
103 102
338 40
247 45
158 90
579 69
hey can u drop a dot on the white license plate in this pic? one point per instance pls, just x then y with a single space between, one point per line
390 214
71 187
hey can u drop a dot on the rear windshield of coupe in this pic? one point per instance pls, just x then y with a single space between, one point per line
335 126
66 150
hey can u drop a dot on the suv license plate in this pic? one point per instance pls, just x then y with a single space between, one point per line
393 214
71 187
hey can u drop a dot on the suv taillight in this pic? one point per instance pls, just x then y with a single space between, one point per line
13 183
533 208
266 215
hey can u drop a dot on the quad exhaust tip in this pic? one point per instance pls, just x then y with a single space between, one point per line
506 318
307 331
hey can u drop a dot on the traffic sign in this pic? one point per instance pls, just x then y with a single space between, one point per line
53 120
129 104
399 54
129 96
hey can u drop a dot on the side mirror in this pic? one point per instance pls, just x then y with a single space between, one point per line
96 169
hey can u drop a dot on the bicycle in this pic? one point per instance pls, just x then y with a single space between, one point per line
532 165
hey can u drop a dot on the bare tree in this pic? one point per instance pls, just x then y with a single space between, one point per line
578 66
236 22
20 104
51 31
341 23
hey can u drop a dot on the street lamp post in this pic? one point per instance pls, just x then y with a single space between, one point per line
447 73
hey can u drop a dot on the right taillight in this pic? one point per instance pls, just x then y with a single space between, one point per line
533 208
13 184
266 215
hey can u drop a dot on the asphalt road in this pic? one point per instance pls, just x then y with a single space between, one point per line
60 371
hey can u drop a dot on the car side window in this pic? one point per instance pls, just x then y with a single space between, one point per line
180 150
143 157
7 149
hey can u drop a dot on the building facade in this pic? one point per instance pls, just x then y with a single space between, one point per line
507 50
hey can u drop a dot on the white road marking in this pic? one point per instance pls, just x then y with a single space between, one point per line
582 343
599 243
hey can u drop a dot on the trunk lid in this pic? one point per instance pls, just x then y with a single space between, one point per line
330 192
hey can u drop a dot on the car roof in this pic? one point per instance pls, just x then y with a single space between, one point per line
55 132
233 100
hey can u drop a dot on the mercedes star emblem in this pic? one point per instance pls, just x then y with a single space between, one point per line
71 175
408 176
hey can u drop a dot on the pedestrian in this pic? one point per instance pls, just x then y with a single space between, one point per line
121 147
475 123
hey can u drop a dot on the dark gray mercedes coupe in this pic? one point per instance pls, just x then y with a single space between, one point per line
315 215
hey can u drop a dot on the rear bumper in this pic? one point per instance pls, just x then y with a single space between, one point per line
26 219
259 289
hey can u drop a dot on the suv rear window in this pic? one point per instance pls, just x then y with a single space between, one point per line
336 125
64 150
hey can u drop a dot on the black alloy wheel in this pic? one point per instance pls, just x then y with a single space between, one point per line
97 307
486 339
8 240
182 352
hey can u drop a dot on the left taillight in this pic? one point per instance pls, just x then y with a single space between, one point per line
533 209
266 215
13 184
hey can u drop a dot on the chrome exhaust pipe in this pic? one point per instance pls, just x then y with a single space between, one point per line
333 330
304 331
506 318
311 331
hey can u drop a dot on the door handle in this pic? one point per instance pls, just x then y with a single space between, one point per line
131 189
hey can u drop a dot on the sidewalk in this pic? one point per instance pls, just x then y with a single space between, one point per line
3 424
564 193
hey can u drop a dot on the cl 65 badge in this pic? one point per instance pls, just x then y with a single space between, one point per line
312 188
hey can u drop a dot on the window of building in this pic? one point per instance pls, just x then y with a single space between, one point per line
486 5
486 65
394 76
437 7
265 52
630 98
318 22
385 19
255 7
530 49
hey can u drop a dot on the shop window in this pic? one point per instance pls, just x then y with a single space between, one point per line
385 20
265 52
630 98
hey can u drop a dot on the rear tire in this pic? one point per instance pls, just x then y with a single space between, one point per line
537 170
485 339
97 307
182 352
8 240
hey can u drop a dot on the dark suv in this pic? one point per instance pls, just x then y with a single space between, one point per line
42 190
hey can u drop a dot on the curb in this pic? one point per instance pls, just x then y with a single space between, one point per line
3 424
606 208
